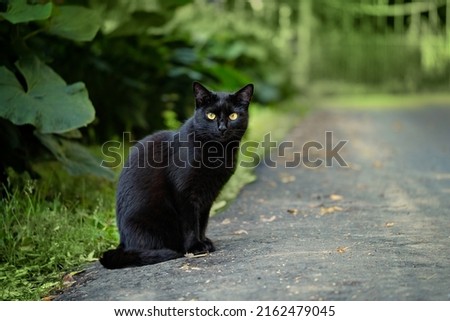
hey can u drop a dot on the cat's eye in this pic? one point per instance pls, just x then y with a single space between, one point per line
233 116
211 116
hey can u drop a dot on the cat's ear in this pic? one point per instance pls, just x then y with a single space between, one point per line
245 94
201 94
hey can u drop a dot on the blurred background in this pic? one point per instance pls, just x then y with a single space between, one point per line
77 73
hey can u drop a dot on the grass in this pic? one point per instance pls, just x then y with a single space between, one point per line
51 227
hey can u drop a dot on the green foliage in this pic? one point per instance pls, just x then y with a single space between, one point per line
33 97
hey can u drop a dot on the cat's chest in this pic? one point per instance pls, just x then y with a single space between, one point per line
201 184
204 186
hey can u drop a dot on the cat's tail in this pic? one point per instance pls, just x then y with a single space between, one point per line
120 258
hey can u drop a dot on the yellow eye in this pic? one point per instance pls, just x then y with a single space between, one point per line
211 116
233 116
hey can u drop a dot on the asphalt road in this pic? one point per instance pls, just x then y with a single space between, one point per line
377 229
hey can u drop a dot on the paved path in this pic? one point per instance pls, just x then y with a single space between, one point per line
378 229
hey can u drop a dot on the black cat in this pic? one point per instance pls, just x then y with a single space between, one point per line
171 179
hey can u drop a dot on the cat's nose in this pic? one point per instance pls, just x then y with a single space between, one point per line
222 128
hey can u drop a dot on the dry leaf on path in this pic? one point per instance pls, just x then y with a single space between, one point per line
68 280
330 210
389 224
267 220
226 221
240 232
336 197
342 249
287 179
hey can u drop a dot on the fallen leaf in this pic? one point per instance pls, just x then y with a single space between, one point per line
239 232
389 224
68 280
330 210
342 249
287 179
268 220
336 197
226 221
292 211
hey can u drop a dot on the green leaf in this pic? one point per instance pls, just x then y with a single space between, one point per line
75 158
48 102
139 23
21 11
75 23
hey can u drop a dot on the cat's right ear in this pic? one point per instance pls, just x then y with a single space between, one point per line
245 94
201 94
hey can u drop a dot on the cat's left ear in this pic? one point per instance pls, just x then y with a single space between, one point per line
245 94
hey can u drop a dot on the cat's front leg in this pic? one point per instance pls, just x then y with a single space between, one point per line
203 220
196 246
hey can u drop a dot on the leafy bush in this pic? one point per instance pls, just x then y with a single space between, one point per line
39 110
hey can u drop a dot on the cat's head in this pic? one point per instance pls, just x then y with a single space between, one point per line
221 116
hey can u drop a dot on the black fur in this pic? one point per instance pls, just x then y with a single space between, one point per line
171 179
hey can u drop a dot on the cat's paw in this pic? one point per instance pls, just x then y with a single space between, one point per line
209 244
199 247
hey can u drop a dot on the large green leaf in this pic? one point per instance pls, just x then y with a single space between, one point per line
75 23
75 158
47 102
22 11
